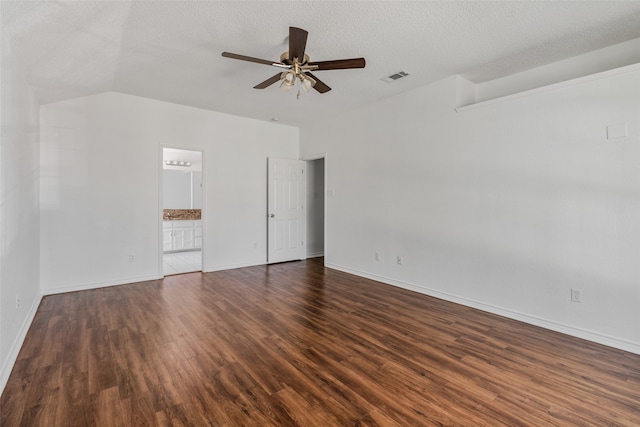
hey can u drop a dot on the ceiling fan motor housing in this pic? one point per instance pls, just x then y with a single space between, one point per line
284 58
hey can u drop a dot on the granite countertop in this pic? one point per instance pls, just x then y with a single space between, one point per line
181 214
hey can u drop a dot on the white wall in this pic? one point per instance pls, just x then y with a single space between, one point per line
19 215
101 159
608 58
504 207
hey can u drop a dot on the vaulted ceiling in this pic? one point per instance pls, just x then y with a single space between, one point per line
171 50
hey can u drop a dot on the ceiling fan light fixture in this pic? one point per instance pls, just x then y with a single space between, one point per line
287 80
307 82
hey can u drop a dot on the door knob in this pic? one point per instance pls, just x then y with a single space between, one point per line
271 215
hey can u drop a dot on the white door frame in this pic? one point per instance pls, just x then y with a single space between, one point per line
324 226
161 204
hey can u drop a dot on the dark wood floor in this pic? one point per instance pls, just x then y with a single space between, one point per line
296 344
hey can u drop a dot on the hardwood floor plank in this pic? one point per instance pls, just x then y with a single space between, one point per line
297 344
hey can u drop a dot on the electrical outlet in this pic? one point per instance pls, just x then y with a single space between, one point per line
17 302
132 257
399 260
377 256
576 295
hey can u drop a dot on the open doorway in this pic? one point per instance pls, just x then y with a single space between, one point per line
182 197
315 207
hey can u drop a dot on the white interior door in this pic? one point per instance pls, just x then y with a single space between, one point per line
286 216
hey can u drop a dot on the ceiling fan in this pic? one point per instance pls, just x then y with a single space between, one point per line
297 65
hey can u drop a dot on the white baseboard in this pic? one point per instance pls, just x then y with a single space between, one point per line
10 361
315 255
596 337
96 285
232 266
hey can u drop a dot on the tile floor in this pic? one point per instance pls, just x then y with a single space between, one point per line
182 262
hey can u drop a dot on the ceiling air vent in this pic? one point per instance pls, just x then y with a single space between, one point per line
393 77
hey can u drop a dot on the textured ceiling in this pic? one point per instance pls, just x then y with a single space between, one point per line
170 50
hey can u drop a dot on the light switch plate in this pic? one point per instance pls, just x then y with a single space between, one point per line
616 131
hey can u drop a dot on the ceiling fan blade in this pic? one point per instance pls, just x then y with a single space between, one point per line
338 64
297 43
256 60
320 86
268 82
